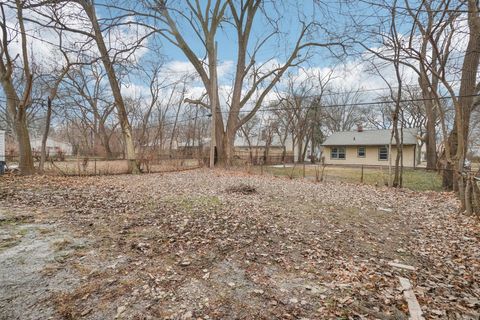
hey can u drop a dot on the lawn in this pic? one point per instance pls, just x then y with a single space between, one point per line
205 244
414 179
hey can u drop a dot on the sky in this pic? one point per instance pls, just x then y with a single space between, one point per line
350 72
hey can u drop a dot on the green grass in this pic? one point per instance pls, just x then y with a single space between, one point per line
418 180
191 203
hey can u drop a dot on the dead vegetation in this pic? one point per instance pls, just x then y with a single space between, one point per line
242 189
218 245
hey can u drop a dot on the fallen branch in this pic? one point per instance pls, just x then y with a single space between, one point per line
413 305
401 266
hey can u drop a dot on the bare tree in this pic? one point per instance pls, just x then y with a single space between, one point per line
88 97
296 102
18 94
89 7
464 104
52 87
433 58
108 56
248 131
340 110
251 79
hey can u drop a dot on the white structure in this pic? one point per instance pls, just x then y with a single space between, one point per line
2 145
52 146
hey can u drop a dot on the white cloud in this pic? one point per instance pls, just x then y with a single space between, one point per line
177 69
43 42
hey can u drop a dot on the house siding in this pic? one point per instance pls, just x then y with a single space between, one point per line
371 156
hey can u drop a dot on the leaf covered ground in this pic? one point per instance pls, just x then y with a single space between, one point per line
223 245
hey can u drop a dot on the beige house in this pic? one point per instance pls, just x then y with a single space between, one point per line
368 147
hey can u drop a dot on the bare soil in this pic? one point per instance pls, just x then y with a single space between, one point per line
222 245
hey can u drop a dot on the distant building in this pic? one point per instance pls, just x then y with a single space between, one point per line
369 147
53 146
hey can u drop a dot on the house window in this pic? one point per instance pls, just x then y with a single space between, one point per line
337 153
383 153
361 152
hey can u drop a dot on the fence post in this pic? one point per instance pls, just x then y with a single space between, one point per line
361 178
95 167
261 166
303 170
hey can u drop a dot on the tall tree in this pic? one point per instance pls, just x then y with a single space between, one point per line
432 52
87 96
251 80
465 101
17 91
110 56
89 7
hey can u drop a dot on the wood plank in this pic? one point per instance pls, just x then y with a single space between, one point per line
413 306
401 266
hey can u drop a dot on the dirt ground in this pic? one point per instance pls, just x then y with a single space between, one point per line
223 245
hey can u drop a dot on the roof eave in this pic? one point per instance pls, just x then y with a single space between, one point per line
363 144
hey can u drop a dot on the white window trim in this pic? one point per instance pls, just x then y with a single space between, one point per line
379 159
338 153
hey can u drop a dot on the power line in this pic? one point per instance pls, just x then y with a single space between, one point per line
357 104
328 93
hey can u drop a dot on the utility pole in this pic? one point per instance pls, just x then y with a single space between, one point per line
213 107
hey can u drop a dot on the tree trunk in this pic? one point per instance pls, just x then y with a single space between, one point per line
300 149
114 85
418 153
17 114
16 107
430 141
468 197
228 145
105 138
448 180
458 139
43 151
24 148
475 197
305 147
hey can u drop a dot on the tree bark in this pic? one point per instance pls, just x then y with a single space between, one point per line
458 139
16 107
25 151
43 151
105 138
430 141
115 87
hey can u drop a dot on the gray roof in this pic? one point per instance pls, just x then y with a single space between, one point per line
369 138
